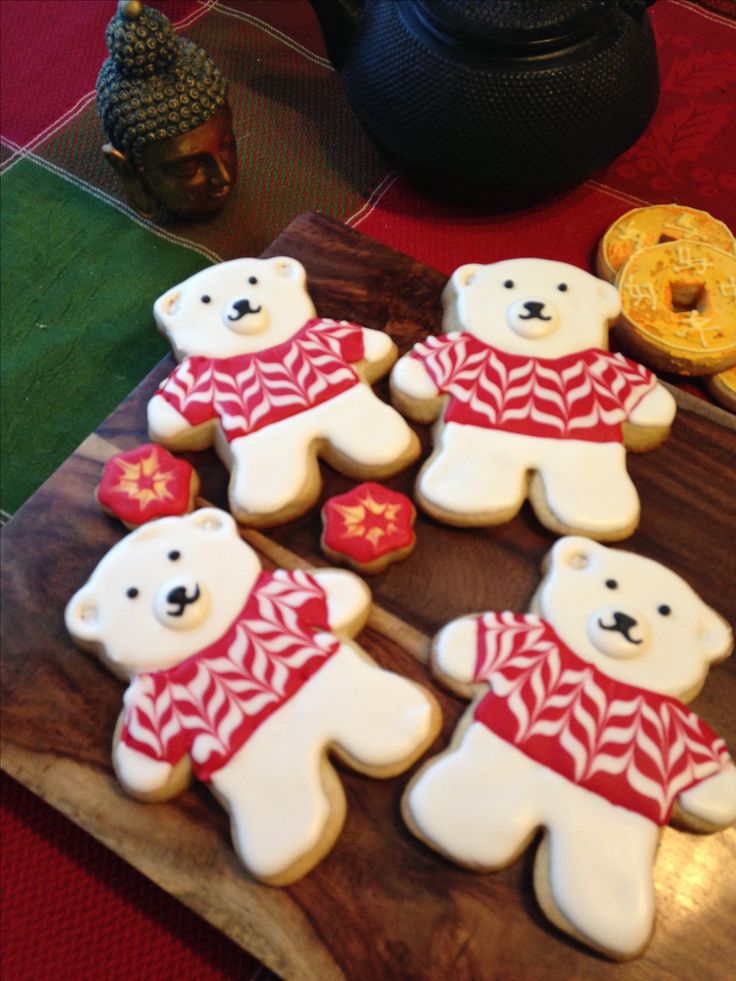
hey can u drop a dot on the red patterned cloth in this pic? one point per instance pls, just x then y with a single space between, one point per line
212 703
580 396
636 748
251 391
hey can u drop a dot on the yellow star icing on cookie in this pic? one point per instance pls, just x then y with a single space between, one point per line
143 482
369 519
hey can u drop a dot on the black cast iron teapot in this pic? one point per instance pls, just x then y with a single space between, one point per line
478 93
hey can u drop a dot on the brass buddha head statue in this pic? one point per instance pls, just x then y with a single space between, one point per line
163 107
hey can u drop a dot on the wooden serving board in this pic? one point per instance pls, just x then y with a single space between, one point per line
381 905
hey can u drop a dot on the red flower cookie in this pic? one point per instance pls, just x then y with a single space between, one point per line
368 528
146 483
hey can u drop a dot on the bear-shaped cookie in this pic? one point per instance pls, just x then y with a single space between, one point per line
531 402
248 679
274 387
578 728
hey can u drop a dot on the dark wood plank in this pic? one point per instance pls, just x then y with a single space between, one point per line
381 905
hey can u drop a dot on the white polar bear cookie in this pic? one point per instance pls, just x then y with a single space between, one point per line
273 387
247 678
576 728
533 402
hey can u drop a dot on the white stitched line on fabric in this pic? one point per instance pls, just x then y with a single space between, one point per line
82 103
709 15
623 195
204 6
47 133
378 192
124 209
274 32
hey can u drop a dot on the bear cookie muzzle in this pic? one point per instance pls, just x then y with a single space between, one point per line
619 634
181 604
533 318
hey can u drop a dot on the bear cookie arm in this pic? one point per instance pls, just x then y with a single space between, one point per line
248 680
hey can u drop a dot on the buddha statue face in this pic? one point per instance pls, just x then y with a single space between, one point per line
189 176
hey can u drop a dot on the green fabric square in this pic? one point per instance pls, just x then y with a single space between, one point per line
79 281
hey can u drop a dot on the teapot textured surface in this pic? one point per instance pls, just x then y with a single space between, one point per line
496 94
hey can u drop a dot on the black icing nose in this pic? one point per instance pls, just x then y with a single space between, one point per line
534 311
180 600
242 308
622 624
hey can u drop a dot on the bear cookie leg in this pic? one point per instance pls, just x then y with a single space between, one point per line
274 474
584 488
496 819
285 800
593 875
474 477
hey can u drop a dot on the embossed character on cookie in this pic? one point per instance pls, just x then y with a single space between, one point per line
273 386
249 679
530 402
578 727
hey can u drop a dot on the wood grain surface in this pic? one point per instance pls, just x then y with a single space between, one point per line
381 905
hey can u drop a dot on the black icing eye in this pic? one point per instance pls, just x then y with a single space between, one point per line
562 287
206 299
132 592
664 610
509 284
253 280
174 555
611 583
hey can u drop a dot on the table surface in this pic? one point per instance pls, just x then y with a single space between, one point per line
381 904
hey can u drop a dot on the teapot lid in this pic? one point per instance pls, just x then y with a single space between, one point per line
514 25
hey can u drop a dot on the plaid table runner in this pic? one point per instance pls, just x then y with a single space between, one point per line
81 270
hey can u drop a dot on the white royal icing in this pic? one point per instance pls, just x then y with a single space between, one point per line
480 804
558 744
529 387
218 327
348 597
355 423
478 300
680 642
475 470
138 773
136 631
271 691
713 800
272 786
656 409
260 371
410 377
377 345
454 650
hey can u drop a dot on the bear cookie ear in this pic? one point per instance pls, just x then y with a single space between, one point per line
572 552
464 275
165 307
609 298
289 268
212 521
716 636
82 617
